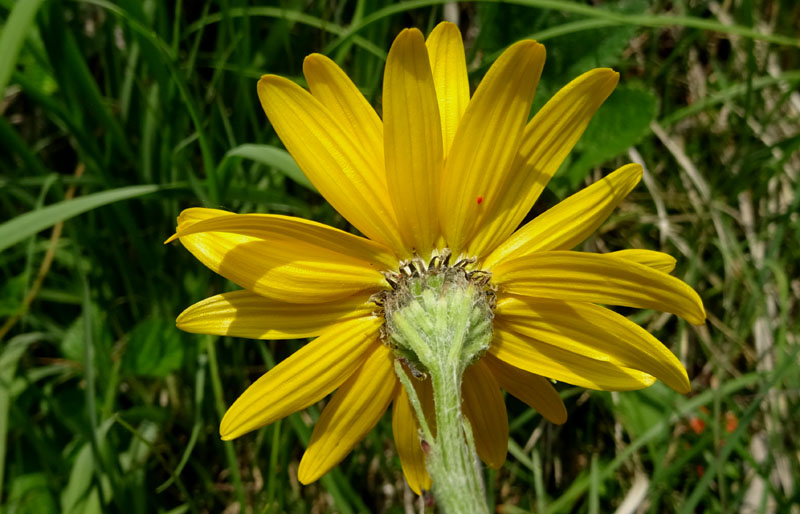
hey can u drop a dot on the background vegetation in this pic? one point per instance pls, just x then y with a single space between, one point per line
115 116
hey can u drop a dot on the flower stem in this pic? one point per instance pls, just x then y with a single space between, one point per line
452 461
441 327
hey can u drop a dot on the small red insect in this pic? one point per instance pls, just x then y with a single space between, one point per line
480 200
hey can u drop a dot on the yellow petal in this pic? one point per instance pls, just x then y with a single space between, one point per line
449 66
547 140
553 362
536 391
413 140
307 376
284 258
275 226
407 441
486 141
246 314
337 165
567 224
334 89
660 261
485 409
595 278
594 332
352 412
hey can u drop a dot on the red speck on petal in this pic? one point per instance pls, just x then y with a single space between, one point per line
480 200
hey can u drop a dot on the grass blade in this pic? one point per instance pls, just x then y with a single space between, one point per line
28 224
15 30
271 156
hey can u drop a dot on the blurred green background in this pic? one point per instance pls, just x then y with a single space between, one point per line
115 116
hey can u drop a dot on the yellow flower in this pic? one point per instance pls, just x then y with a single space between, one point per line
440 171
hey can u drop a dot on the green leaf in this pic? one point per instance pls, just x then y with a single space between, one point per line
30 495
13 36
72 343
640 411
28 224
155 349
80 496
12 293
274 157
9 358
620 123
601 48
36 72
573 53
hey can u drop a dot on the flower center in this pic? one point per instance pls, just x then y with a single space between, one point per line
435 310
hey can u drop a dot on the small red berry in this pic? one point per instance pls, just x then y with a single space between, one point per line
697 425
730 422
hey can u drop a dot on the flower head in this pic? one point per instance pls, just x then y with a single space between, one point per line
441 182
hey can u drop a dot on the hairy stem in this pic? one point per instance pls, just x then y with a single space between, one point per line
440 327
